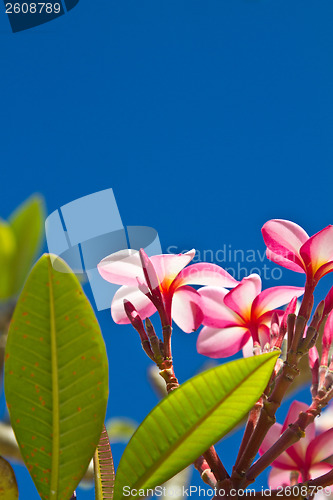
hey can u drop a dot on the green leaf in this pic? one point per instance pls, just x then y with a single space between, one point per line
190 420
7 252
56 379
27 224
104 469
8 484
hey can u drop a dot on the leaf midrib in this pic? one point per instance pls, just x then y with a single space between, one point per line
141 481
54 483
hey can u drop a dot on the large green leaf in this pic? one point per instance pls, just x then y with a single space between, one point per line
56 379
191 419
27 224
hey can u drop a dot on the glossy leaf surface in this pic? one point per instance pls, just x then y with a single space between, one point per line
56 379
191 419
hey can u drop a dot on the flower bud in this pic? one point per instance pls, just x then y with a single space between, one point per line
135 319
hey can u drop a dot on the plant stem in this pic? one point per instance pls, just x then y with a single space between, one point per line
307 301
205 471
250 426
290 436
215 464
297 348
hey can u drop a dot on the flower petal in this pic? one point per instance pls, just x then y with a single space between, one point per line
328 302
313 358
264 335
266 319
288 264
186 310
216 313
141 303
284 238
274 297
279 477
205 274
122 268
240 298
325 421
295 409
221 342
321 447
318 250
325 269
248 348
298 450
328 331
319 470
284 461
168 266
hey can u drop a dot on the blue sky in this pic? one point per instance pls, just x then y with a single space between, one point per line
206 119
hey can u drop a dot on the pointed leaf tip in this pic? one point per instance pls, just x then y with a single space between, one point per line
191 419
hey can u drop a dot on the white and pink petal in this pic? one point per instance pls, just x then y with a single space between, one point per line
186 309
141 303
248 348
274 297
320 448
284 461
298 266
240 299
317 251
264 335
323 270
168 266
280 477
284 238
319 470
205 274
299 449
122 268
216 313
221 342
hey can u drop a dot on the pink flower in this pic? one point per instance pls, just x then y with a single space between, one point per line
325 421
125 268
308 456
291 247
237 319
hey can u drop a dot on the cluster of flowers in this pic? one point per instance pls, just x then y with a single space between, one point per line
243 318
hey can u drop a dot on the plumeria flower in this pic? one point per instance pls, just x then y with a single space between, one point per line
325 421
173 280
291 247
308 457
239 318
